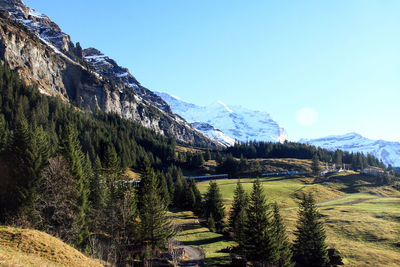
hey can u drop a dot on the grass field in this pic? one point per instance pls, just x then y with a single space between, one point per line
362 221
199 236
25 247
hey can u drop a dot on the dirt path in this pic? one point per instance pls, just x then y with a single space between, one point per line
357 201
327 201
195 256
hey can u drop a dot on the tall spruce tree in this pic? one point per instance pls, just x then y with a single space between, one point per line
281 240
238 216
156 226
259 242
163 187
179 193
70 148
309 247
315 166
29 154
213 205
198 205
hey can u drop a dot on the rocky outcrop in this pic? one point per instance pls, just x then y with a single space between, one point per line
35 47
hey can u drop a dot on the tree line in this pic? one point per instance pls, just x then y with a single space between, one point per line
255 149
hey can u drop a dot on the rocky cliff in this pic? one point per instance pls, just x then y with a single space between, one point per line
34 46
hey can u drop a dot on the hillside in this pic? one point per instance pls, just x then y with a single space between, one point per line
361 219
26 247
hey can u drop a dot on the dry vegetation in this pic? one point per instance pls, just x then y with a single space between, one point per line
25 247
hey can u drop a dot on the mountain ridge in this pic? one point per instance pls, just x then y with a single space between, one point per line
235 122
35 46
387 151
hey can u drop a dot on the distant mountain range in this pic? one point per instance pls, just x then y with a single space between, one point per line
389 152
227 123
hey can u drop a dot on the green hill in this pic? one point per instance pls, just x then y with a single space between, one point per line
361 219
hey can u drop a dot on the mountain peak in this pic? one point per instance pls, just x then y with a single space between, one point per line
238 124
225 106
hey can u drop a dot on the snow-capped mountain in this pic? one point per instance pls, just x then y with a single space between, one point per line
388 152
36 47
229 123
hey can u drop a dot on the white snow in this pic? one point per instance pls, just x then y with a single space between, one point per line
120 75
388 152
34 13
96 57
132 85
225 106
43 92
236 122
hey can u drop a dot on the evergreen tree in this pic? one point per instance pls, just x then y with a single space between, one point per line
309 247
163 187
259 243
198 205
337 158
170 184
315 166
29 153
214 205
179 199
207 155
156 226
70 148
4 133
211 223
111 164
237 217
281 241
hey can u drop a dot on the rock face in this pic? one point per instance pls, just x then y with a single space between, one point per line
388 152
34 46
228 123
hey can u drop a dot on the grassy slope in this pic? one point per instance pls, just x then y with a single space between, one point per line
25 247
362 221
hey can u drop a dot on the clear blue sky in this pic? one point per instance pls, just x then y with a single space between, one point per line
340 58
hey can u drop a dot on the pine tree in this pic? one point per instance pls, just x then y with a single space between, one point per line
315 167
207 155
97 186
70 148
179 191
4 133
337 158
111 164
237 217
309 247
156 226
29 154
163 187
214 205
170 184
281 241
211 223
198 206
258 244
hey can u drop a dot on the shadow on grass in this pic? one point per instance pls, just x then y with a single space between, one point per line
218 261
204 241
